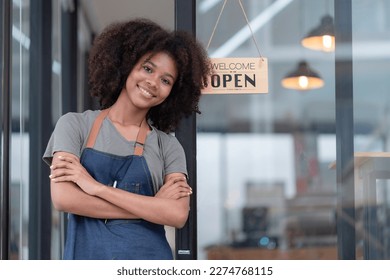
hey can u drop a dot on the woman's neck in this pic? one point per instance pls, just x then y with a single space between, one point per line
125 117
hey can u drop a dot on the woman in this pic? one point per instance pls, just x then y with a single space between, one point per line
117 171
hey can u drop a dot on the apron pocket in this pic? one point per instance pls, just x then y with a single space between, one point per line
132 187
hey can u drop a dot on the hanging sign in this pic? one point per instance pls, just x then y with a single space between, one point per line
238 76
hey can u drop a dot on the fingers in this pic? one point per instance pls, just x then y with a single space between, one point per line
176 179
62 178
179 182
181 194
175 194
64 169
60 173
60 165
61 162
69 159
65 162
175 188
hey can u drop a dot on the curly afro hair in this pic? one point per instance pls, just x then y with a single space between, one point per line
119 47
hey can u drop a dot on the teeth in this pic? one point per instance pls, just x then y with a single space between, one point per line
146 92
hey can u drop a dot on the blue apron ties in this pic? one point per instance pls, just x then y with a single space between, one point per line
94 239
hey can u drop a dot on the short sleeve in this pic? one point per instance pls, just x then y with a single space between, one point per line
174 157
67 136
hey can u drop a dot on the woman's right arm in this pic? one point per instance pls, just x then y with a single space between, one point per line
68 197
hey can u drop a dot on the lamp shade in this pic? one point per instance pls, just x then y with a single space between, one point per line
321 38
302 78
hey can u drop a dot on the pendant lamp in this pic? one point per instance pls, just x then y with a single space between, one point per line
302 78
321 38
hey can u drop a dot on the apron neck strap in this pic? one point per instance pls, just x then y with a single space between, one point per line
141 136
95 128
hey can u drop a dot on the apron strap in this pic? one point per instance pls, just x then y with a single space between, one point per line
95 128
141 136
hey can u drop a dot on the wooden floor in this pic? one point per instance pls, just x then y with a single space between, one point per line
310 253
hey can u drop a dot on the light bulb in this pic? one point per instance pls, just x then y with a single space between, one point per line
303 82
327 42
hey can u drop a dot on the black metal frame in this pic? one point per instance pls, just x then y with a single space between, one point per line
186 238
40 128
5 117
69 49
344 131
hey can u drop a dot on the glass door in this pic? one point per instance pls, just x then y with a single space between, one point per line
371 104
268 183
265 189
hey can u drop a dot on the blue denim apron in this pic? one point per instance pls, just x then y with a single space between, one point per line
97 239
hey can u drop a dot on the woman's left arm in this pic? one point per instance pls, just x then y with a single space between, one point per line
170 206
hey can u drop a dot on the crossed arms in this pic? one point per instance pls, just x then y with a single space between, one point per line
75 191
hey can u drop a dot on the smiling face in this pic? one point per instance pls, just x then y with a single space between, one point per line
150 81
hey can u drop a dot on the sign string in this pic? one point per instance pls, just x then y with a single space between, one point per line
247 22
215 26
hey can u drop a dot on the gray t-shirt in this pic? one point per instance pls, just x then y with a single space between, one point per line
163 152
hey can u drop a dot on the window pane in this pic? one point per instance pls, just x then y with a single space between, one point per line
265 189
19 189
371 65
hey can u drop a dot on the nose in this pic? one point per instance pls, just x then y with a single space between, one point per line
151 82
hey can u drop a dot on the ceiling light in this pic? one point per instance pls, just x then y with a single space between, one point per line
321 38
302 78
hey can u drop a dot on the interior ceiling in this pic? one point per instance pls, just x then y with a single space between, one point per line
101 13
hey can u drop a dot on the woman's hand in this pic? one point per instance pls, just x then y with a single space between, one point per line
69 169
175 187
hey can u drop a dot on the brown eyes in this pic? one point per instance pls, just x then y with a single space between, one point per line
150 70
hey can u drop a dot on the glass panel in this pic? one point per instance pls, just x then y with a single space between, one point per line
371 65
371 121
265 186
20 137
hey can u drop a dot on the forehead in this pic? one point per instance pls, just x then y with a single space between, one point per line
157 56
161 60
